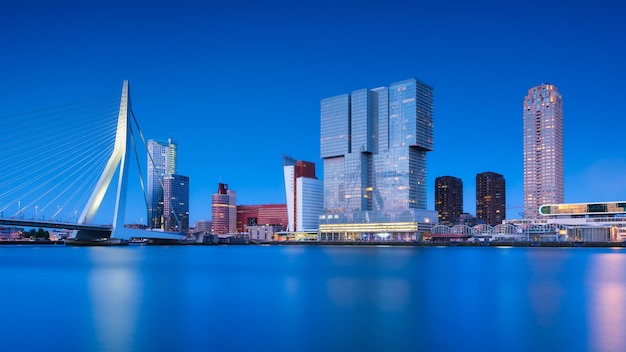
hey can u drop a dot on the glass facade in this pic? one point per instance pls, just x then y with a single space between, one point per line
543 149
161 162
583 209
374 144
335 125
334 190
176 209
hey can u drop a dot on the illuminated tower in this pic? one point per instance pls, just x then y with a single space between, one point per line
543 149
490 198
374 143
224 210
161 163
449 199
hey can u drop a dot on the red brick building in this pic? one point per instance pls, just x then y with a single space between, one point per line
265 214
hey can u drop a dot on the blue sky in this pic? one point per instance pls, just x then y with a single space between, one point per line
239 84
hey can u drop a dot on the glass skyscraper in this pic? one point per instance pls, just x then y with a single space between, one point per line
543 149
176 203
373 143
161 163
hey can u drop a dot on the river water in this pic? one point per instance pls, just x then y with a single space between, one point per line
311 298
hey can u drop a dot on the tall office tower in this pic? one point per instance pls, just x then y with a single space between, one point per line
449 199
543 149
374 144
304 193
224 210
176 203
161 162
490 198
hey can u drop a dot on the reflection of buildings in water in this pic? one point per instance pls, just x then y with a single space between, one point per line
114 295
545 290
389 295
545 300
606 309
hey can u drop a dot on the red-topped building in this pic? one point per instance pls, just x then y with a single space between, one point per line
304 195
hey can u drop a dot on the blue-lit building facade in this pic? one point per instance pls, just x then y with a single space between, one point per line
176 203
373 144
161 162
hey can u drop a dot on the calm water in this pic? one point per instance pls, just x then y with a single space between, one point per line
296 298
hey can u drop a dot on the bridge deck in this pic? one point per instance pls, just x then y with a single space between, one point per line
125 233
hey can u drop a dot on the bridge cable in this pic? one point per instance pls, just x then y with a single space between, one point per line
152 162
53 161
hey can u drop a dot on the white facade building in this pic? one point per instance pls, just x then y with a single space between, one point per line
309 203
543 149
304 195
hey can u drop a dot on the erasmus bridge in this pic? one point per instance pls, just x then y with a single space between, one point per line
59 165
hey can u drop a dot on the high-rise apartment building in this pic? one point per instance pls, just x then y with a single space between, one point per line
374 144
224 210
176 203
304 194
449 199
161 162
543 149
490 198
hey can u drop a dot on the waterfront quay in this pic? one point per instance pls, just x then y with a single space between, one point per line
449 244
247 242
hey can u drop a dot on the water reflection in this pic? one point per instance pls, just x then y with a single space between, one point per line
607 302
115 291
387 295
244 298
545 290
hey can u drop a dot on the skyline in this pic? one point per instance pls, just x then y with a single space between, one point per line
252 77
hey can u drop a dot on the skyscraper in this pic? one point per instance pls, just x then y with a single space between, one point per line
161 162
449 199
543 149
374 144
176 203
490 198
224 210
304 194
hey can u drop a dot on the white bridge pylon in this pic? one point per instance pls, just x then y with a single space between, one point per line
119 158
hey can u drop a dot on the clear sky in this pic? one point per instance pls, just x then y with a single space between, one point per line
238 84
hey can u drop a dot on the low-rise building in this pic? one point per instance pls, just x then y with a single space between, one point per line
10 233
263 232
